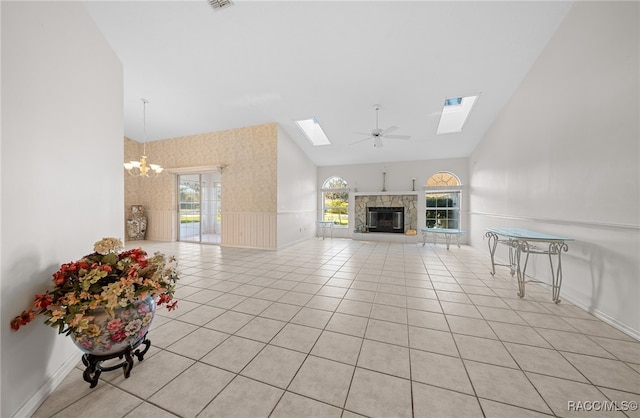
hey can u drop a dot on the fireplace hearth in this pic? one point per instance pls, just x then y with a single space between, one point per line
385 219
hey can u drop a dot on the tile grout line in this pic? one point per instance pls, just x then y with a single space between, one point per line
447 260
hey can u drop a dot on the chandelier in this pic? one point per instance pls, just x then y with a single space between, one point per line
142 168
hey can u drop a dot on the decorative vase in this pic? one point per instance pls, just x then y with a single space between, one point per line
137 223
108 334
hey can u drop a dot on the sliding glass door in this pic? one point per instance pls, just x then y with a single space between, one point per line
199 208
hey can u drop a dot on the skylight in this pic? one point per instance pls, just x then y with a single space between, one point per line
455 113
313 131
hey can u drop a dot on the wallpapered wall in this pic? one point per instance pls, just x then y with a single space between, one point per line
249 181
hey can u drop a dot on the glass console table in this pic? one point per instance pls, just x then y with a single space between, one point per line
326 226
523 241
446 233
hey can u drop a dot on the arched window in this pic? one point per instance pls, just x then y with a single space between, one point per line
443 200
443 178
335 201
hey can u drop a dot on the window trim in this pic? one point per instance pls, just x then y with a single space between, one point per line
446 189
452 174
324 190
459 188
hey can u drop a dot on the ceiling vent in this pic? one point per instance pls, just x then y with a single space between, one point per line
220 4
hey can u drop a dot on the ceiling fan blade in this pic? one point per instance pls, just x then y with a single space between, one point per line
397 136
363 133
360 140
389 129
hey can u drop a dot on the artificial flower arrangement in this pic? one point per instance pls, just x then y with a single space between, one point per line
110 279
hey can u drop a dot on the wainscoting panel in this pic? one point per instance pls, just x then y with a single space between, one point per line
249 229
161 225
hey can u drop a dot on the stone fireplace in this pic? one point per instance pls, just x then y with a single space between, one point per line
407 203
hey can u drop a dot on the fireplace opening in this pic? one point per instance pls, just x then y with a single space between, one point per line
384 219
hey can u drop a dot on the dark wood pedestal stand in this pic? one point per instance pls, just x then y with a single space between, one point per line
94 363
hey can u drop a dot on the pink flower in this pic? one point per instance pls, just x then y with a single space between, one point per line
114 325
143 309
118 336
86 343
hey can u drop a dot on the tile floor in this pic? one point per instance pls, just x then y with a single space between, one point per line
341 328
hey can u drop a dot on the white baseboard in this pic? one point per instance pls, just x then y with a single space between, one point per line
38 398
633 333
620 326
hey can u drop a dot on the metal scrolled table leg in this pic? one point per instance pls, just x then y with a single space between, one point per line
556 248
523 246
513 248
493 243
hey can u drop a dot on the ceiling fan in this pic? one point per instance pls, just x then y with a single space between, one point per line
377 134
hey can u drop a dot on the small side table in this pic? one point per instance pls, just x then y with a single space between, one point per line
523 241
445 232
324 226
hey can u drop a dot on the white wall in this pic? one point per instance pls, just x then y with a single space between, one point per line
367 178
296 213
61 174
563 158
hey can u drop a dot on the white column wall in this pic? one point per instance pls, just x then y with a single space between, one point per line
296 213
563 158
62 177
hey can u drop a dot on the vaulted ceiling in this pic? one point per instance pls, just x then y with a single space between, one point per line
255 62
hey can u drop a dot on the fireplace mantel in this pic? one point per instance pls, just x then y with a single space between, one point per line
387 193
408 200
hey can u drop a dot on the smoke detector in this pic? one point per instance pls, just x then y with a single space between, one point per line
220 4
